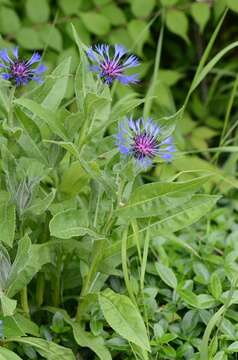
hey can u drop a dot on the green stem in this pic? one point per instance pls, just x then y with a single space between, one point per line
11 97
124 265
227 117
136 237
228 111
56 282
83 133
40 289
23 292
150 93
142 274
24 302
97 207
98 254
144 259
120 183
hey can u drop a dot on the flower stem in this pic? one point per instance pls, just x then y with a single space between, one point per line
40 289
24 301
11 97
92 273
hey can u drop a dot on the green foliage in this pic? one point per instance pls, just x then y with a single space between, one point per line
97 259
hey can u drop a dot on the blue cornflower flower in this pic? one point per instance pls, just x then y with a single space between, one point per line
110 66
20 71
143 140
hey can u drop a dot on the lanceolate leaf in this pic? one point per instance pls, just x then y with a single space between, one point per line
157 198
69 223
179 218
8 305
46 116
124 318
85 338
167 275
47 349
52 92
29 260
39 206
6 354
95 343
7 223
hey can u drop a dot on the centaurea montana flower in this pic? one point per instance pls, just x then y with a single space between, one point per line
20 71
112 64
143 140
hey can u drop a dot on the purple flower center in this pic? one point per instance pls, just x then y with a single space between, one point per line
111 69
145 145
20 70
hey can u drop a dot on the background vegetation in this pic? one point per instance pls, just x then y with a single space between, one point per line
76 282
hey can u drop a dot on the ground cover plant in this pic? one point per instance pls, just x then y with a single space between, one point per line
118 198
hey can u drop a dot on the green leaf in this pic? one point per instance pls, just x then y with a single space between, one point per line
96 23
8 305
74 179
169 77
58 85
29 126
38 11
177 22
7 223
207 68
120 36
155 198
139 32
29 140
221 355
29 260
167 275
114 14
201 14
98 106
180 218
141 8
29 38
51 37
232 4
26 325
5 267
9 21
95 343
91 168
124 106
233 347
11 327
6 354
39 206
47 349
85 338
189 297
69 7
206 301
215 286
122 315
202 273
47 116
51 93
69 223
169 2
198 206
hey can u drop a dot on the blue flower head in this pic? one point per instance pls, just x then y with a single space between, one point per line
112 62
20 71
143 140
